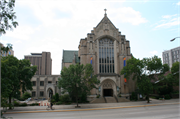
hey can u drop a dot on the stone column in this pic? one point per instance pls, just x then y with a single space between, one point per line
115 57
97 56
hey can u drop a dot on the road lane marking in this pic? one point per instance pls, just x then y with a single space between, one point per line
88 109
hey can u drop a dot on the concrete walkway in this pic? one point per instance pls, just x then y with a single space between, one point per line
97 106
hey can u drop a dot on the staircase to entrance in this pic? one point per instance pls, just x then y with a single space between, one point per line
110 100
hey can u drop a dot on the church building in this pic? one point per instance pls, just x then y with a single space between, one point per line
107 50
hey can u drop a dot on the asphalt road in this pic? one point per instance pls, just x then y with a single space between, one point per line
151 112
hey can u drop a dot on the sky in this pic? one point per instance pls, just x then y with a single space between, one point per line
54 25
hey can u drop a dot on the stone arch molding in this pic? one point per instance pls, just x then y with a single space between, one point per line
48 87
106 36
107 84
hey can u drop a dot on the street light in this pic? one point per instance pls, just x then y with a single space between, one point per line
179 58
174 39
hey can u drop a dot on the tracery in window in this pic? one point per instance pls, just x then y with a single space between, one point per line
106 56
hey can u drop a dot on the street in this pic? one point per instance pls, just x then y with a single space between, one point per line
150 112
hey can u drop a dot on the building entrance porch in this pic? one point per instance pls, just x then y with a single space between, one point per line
108 92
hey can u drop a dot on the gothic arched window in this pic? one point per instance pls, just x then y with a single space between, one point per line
106 56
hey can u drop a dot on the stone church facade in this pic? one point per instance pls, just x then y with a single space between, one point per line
107 50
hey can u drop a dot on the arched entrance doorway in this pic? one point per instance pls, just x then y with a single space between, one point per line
107 87
108 92
50 92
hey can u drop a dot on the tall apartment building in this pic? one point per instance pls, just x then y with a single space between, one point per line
43 62
10 52
171 56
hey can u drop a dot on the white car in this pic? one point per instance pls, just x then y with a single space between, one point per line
26 101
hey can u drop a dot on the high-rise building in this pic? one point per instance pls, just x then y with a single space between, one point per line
171 56
43 62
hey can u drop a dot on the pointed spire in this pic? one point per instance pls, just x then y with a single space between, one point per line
105 12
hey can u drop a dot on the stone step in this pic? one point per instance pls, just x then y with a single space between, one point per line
110 100
98 100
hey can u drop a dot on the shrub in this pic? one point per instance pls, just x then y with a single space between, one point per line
167 96
53 101
21 99
16 103
134 96
97 96
53 97
26 95
68 103
64 98
56 97
23 104
34 104
59 103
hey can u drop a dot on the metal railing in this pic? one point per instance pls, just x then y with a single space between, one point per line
105 100
115 98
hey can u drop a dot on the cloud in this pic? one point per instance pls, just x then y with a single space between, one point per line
178 3
81 11
168 21
62 24
154 52
21 32
129 15
168 16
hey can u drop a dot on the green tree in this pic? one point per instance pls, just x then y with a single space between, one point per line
26 95
77 80
175 71
16 74
7 15
143 71
56 97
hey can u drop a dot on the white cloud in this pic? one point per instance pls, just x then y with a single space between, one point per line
21 32
178 3
168 21
82 11
63 24
154 52
129 15
168 16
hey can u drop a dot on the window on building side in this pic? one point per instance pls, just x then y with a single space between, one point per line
34 83
33 94
9 53
106 56
41 83
41 93
49 81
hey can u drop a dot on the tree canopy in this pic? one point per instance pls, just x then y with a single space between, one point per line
7 15
16 74
175 70
144 71
78 80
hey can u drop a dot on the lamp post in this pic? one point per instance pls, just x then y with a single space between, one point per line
179 57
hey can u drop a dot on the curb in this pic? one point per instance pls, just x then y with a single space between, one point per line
89 109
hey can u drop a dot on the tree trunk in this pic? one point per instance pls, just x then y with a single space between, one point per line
77 100
148 98
77 97
10 102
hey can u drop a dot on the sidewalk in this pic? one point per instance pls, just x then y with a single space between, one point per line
97 106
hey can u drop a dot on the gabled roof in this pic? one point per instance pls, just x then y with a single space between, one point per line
105 18
68 56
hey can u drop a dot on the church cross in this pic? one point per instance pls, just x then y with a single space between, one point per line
105 10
